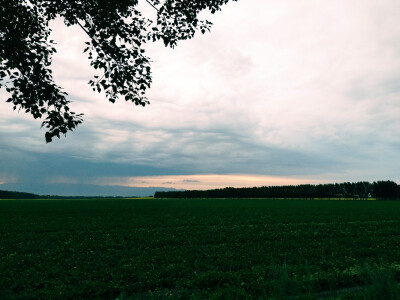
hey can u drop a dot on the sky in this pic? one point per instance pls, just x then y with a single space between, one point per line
279 92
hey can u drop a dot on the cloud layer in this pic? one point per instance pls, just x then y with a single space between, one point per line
294 90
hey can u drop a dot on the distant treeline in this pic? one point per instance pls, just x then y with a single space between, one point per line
356 190
17 195
22 195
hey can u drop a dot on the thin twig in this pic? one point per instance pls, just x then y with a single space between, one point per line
152 5
83 28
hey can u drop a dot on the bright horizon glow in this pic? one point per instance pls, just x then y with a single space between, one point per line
202 182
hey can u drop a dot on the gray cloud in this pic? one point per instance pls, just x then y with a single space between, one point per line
284 94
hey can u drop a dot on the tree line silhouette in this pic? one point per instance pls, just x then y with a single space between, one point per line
22 195
355 190
17 195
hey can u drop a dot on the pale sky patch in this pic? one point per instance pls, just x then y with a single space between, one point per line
7 178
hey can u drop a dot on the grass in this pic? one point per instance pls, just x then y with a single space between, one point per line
199 248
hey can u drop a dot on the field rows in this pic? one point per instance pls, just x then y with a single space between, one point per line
158 248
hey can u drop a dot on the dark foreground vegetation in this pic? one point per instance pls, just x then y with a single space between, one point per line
354 190
199 249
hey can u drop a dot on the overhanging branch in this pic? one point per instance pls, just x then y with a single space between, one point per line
152 5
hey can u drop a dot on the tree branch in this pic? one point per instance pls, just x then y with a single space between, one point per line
83 28
152 5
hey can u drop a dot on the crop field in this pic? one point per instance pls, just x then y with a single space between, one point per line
199 249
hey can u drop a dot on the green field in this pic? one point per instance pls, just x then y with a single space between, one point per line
199 249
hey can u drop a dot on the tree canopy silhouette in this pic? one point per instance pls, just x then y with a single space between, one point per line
117 31
355 190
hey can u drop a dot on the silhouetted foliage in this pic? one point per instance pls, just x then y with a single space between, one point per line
358 190
23 195
17 195
117 32
386 189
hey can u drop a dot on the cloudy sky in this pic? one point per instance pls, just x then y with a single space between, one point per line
279 92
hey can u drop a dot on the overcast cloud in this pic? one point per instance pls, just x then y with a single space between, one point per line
281 92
